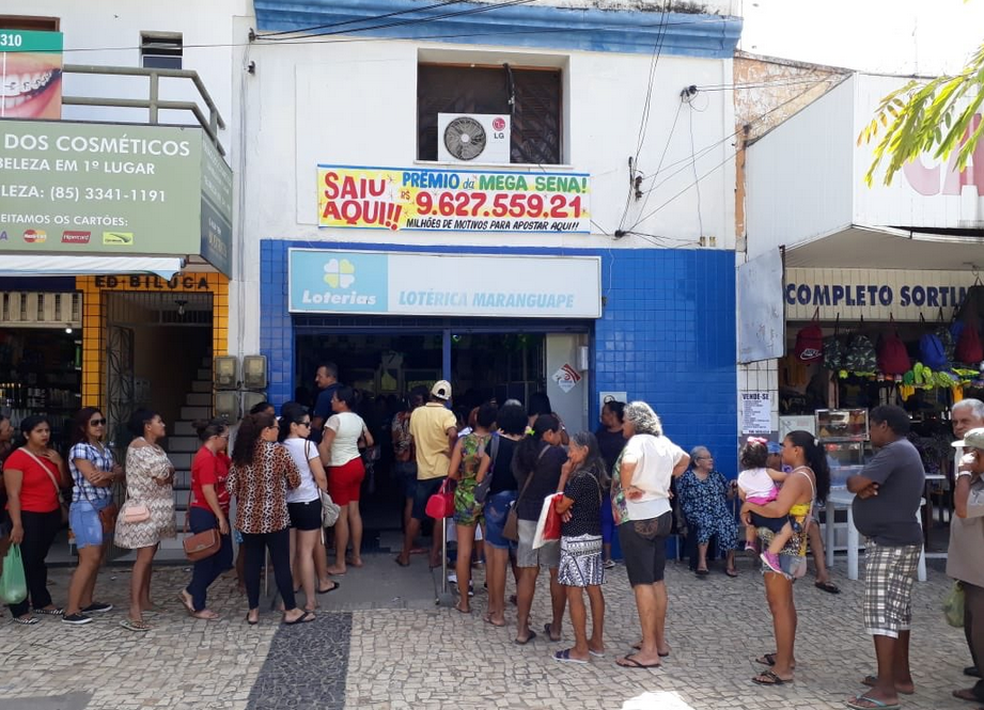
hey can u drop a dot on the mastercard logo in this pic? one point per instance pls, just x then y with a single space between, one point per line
35 236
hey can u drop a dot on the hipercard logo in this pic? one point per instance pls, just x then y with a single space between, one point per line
70 237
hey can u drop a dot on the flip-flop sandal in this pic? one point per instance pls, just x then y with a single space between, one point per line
828 587
330 589
857 703
702 572
528 639
546 630
871 681
186 604
488 620
638 647
304 618
597 654
50 612
631 662
962 694
731 573
462 611
402 564
212 617
29 621
138 626
565 657
770 678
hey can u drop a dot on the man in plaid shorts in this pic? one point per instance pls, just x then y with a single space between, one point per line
889 489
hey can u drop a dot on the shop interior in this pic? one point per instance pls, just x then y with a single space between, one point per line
832 377
383 368
40 373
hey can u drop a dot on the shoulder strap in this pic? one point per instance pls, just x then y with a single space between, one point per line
47 470
813 488
529 478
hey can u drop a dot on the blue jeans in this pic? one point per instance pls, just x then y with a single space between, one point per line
496 511
207 570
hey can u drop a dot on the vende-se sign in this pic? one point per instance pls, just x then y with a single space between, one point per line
415 199
330 281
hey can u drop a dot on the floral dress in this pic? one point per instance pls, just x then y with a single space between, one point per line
705 507
466 510
143 465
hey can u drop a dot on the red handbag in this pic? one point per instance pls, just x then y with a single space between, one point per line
441 504
551 528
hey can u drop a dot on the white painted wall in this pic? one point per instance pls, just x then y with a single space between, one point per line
798 176
355 103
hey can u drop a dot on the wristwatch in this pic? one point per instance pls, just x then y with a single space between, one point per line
960 474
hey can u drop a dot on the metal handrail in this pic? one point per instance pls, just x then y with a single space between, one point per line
153 104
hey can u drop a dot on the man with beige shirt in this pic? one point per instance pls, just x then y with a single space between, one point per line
433 431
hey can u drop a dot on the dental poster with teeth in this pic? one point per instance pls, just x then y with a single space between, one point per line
30 74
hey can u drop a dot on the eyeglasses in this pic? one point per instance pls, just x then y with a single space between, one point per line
307 424
97 422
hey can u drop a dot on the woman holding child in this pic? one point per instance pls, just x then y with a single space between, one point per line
808 480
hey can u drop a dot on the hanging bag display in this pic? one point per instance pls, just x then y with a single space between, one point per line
893 358
833 348
932 354
861 357
969 349
13 581
809 340
944 333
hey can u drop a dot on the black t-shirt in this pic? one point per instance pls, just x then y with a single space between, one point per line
582 487
501 472
611 444
546 478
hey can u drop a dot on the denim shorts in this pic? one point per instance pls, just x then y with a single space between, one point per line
496 510
406 472
83 518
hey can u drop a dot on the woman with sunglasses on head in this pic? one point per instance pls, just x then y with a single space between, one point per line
209 510
34 475
90 461
304 502
261 475
147 516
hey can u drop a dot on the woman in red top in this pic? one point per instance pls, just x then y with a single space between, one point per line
34 475
209 509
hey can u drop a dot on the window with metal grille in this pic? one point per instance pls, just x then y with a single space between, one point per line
536 109
161 50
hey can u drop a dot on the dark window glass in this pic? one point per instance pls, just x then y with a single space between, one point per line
536 115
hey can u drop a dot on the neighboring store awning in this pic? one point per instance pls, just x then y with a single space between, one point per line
19 265
863 247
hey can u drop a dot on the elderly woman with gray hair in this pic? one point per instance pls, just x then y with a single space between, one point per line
703 494
641 505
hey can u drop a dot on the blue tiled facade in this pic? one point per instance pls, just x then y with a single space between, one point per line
666 336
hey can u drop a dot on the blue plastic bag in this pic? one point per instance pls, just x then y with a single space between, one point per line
13 583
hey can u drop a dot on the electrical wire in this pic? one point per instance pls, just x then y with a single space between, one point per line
693 162
666 147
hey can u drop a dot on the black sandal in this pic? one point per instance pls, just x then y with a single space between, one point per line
770 678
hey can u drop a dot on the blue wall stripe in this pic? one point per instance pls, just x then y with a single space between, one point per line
631 31
666 336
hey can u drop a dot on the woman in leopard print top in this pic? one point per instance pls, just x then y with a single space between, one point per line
261 474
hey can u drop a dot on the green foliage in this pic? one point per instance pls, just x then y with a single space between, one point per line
925 116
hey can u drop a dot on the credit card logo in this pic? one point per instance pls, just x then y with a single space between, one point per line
118 239
69 237
35 236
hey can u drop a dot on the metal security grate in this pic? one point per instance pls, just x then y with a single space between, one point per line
38 309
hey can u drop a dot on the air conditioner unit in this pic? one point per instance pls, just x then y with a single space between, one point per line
473 138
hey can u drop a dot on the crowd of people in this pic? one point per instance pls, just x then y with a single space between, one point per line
627 479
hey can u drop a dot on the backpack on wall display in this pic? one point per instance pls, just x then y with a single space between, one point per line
969 348
861 355
931 352
833 349
893 358
945 334
809 340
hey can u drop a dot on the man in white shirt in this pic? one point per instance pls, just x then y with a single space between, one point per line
965 415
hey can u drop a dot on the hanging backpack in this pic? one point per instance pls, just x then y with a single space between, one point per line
861 357
893 358
809 340
945 334
834 350
932 354
969 349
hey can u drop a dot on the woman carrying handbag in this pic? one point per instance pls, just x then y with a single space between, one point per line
207 511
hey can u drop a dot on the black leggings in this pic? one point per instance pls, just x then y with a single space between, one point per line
279 545
40 530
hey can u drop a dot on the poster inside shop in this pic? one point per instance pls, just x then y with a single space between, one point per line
756 412
30 74
417 199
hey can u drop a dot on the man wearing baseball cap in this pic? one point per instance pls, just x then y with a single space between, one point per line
433 431
965 556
